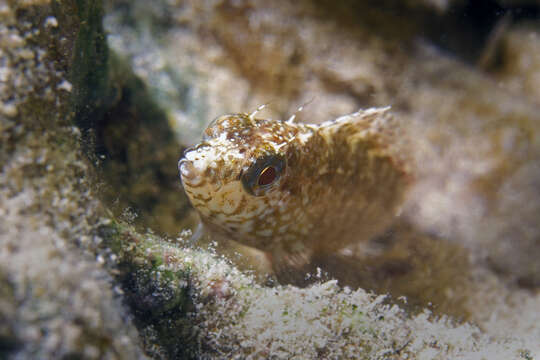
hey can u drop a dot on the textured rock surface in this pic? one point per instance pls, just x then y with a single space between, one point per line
232 316
57 300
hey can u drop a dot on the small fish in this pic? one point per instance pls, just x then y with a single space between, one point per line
296 190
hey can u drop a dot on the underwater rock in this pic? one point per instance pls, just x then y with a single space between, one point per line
57 300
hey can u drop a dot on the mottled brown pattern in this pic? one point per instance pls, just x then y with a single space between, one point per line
341 182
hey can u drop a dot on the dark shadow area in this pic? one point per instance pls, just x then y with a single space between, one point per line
9 343
128 138
465 30
137 154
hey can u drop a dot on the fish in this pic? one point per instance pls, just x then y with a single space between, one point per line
296 190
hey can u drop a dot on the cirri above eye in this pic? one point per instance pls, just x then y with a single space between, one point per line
213 129
263 174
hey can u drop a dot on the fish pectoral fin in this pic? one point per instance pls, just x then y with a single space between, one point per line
197 234
291 267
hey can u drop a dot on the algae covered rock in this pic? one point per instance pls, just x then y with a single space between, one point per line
57 299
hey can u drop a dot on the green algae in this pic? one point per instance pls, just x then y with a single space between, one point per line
157 296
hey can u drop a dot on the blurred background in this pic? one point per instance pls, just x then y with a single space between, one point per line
462 78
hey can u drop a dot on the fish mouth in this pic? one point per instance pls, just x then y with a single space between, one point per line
189 175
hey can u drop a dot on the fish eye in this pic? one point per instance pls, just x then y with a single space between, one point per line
267 176
263 174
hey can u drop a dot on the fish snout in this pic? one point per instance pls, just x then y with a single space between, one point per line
189 174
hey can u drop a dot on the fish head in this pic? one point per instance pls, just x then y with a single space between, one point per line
235 178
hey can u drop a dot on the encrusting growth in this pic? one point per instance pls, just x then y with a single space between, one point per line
295 190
